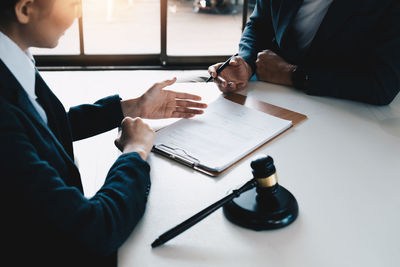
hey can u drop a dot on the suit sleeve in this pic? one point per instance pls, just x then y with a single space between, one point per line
258 33
378 80
100 224
89 120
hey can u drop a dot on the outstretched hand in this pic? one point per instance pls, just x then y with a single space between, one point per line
158 103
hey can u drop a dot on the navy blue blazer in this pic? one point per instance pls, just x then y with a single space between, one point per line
46 220
354 55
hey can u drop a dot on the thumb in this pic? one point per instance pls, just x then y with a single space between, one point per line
235 61
170 82
166 83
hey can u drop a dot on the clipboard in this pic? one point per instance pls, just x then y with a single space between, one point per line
187 160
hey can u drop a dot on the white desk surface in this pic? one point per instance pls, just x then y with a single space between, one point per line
342 164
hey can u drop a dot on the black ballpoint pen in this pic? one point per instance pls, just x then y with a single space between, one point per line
223 66
201 215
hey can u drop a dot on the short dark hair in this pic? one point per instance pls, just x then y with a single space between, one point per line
7 10
6 5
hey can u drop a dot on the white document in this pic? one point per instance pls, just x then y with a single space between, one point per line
225 133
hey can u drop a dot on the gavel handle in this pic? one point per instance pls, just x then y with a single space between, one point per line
202 214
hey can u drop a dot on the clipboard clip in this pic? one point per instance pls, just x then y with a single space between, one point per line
173 153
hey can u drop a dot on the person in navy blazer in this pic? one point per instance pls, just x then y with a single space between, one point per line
354 53
46 219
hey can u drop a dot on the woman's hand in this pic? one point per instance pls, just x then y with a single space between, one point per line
158 103
135 136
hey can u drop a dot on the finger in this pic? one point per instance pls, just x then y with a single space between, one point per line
182 115
221 82
182 95
186 112
127 120
190 104
212 70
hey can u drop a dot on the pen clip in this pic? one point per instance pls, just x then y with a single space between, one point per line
173 153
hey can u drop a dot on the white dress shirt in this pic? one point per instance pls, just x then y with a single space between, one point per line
308 19
21 65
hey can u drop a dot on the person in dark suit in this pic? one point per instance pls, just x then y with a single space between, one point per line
338 48
46 219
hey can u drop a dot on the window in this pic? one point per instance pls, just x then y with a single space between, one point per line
192 31
150 33
121 26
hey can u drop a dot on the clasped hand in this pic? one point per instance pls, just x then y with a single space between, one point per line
272 68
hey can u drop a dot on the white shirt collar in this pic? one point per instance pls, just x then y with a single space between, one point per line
20 63
22 66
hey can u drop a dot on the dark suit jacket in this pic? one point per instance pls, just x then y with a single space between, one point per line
46 220
354 55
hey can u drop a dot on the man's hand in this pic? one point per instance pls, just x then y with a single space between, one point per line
158 103
234 77
135 136
272 68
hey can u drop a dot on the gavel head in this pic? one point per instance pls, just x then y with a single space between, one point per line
264 172
263 166
268 206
